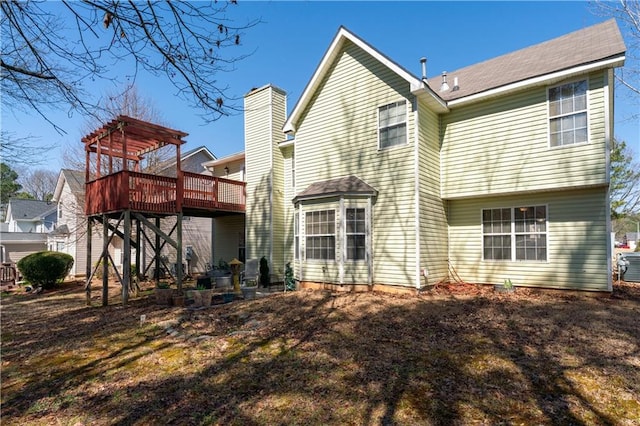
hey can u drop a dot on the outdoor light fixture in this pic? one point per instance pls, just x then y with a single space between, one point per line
226 170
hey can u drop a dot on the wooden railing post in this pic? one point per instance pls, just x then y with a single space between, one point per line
179 190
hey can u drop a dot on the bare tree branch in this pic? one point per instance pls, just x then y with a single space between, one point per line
52 52
21 151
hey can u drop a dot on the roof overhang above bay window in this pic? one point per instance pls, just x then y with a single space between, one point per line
347 186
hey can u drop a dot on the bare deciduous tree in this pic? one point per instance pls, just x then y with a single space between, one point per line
51 50
627 12
40 183
130 103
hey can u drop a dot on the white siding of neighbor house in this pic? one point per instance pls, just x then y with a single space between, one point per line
337 136
433 215
265 111
76 243
576 241
501 146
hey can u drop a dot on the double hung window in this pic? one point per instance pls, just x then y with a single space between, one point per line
568 114
518 233
392 124
320 232
356 234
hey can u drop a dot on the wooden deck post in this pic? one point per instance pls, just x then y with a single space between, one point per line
156 250
126 267
139 266
179 271
105 260
88 268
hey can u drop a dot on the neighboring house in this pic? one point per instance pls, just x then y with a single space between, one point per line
31 216
25 229
70 237
71 234
387 180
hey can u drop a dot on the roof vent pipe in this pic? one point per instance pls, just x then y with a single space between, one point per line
455 84
423 62
444 86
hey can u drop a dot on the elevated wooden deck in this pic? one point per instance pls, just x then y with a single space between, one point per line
189 193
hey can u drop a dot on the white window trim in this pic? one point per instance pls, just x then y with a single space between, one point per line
513 234
406 122
588 111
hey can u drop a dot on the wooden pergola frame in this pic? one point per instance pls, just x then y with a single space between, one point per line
128 140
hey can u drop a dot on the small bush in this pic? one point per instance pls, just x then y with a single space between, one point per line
44 269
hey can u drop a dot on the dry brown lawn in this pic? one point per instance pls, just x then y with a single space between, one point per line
458 355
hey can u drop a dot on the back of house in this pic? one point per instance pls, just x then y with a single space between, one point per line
386 180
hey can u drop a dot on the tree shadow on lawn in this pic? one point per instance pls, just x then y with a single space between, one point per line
366 359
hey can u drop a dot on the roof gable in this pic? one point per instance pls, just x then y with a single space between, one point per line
74 179
335 48
20 209
587 46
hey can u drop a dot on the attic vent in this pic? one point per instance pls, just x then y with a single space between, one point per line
444 87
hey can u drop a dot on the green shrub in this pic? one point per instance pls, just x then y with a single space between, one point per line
44 269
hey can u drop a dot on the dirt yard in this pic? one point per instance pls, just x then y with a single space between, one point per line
456 355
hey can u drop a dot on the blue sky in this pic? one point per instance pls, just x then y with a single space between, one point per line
289 44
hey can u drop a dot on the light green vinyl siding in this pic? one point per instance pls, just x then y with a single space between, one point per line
288 208
577 241
277 260
338 136
432 216
264 118
501 146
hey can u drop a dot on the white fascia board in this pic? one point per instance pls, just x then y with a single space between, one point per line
328 58
536 81
57 193
433 100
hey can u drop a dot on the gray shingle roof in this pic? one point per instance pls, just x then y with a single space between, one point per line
351 185
75 180
30 209
595 43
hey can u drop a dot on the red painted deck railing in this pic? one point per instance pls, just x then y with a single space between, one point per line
160 194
